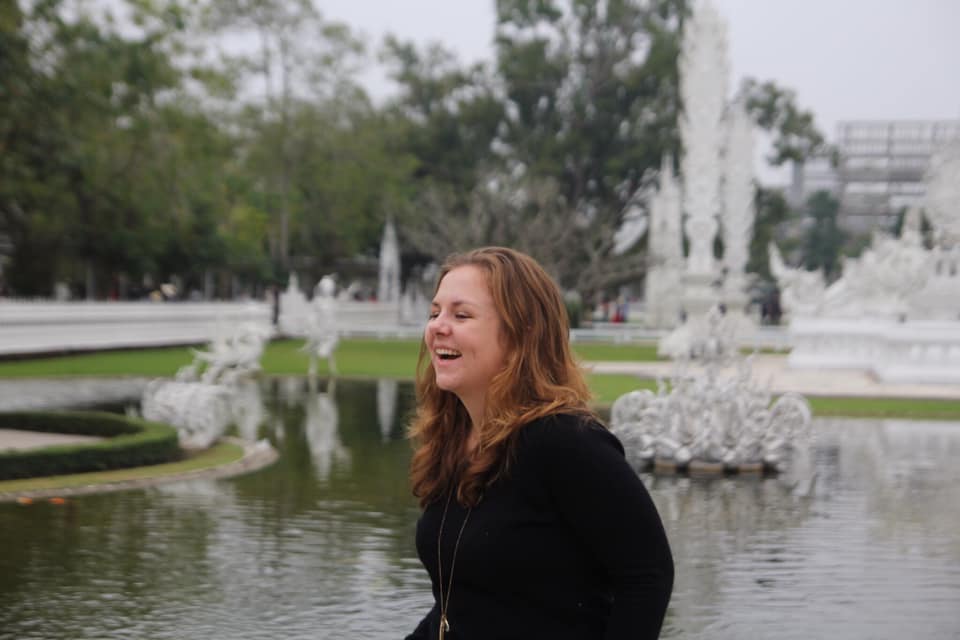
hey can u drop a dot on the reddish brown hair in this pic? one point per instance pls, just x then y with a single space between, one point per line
540 378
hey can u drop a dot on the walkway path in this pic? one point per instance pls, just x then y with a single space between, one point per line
772 369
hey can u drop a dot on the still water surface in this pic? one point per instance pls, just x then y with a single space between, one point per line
321 545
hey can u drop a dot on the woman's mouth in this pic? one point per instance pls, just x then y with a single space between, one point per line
447 354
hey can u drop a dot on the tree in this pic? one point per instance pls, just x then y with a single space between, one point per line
583 97
299 56
795 134
824 238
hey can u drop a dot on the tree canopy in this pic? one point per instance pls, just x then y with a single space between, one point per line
139 144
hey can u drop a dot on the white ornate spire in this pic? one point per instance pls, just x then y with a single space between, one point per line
665 251
388 287
738 206
704 73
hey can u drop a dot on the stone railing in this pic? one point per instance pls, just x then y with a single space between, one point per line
914 351
45 327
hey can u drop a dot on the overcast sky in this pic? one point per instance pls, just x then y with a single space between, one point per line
846 59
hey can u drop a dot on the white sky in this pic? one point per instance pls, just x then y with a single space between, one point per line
846 59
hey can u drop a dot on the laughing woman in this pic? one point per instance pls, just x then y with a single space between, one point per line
534 525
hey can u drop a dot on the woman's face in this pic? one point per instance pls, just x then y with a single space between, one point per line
464 337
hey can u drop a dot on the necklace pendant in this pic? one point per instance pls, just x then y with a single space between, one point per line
444 626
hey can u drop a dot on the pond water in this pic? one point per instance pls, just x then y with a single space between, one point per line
321 544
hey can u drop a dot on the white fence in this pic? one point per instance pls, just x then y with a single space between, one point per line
36 327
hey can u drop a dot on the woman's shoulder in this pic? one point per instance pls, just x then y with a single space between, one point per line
564 432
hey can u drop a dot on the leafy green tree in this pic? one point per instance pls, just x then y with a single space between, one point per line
795 134
299 57
824 239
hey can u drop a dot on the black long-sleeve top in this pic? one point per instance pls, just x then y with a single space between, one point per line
567 546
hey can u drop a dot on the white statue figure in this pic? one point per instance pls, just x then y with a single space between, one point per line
294 309
233 354
322 336
704 72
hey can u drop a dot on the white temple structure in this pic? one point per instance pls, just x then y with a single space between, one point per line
895 311
665 252
704 74
717 195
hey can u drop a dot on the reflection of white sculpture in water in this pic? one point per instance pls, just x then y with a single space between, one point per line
386 405
714 418
322 337
322 427
212 392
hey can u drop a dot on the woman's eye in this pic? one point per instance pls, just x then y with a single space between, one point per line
433 314
461 316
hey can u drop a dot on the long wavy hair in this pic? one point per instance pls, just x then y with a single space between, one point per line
540 378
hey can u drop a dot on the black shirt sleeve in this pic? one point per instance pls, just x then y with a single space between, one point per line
603 500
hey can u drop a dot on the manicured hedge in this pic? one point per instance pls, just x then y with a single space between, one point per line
132 443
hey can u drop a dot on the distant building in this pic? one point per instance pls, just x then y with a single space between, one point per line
876 170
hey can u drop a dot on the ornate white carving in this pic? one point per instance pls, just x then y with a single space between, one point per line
704 72
211 393
713 415
738 205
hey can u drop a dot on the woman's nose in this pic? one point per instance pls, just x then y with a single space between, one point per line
439 325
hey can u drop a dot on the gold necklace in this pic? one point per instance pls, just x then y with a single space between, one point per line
445 603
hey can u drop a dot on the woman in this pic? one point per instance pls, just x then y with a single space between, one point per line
534 525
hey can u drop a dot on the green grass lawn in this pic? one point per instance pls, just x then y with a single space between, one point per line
355 358
370 358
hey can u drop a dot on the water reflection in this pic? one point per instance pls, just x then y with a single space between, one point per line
386 405
320 545
321 426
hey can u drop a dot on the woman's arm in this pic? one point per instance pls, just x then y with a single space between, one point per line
602 498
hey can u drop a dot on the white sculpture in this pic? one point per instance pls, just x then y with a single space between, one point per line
203 399
801 291
715 418
665 251
704 72
321 330
294 309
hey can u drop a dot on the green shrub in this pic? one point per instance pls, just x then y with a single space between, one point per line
131 442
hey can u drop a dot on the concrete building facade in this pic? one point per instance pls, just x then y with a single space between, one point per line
875 169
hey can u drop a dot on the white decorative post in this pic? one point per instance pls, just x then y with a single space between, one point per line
665 252
738 206
388 288
704 72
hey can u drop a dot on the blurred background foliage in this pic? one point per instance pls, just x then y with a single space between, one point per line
223 143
